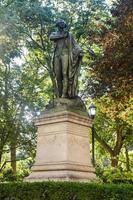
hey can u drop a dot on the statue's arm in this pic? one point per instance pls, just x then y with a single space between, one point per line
77 47
53 36
56 36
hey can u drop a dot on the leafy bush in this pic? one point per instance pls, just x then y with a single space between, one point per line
23 170
8 175
114 175
65 191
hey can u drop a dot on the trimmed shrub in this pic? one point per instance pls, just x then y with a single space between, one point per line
65 191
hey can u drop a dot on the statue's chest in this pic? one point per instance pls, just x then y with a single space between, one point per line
62 44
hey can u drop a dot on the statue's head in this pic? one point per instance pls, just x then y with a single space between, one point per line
61 24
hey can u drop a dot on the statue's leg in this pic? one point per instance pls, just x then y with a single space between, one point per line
58 74
65 63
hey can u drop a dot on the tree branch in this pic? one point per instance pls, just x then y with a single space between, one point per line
103 143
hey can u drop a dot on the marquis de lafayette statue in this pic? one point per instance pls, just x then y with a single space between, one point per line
66 61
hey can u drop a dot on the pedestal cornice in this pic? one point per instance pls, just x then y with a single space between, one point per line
63 116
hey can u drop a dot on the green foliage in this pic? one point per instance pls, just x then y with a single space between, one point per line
114 132
8 175
25 88
114 175
23 169
117 176
65 191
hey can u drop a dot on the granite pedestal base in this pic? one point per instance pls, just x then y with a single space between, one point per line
63 151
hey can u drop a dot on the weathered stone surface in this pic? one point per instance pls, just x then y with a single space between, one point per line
63 151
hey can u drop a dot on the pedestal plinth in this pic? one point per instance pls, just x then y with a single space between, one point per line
63 151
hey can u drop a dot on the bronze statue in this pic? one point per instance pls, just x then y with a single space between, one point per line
66 61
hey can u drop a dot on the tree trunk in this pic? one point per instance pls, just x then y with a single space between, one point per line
0 158
127 159
114 161
114 152
13 157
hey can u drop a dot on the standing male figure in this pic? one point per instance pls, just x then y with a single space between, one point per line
66 61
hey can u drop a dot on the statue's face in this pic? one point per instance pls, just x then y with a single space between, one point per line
61 24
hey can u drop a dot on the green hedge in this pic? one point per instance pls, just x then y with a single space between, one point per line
65 191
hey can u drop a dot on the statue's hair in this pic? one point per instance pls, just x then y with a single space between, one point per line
58 23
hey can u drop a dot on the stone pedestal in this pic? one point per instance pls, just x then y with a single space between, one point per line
63 151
